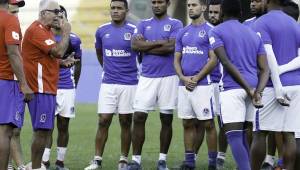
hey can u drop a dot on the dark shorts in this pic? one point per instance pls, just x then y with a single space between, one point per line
12 104
42 111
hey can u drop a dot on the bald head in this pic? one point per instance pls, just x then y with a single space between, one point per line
48 5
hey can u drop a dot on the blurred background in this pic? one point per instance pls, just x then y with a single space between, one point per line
86 16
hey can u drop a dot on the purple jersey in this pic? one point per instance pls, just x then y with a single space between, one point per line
119 61
250 22
242 46
192 42
66 75
152 30
284 36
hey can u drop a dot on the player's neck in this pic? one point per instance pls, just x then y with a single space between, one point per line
161 16
44 24
199 20
226 18
118 24
273 7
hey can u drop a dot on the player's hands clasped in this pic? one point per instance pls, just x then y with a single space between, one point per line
189 83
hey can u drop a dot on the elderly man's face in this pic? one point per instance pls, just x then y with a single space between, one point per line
52 15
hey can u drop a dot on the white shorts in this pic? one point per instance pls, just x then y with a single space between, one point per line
156 92
236 106
274 117
196 104
216 98
115 98
65 103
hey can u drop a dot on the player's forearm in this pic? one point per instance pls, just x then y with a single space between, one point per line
77 72
177 65
264 73
232 70
144 46
100 56
61 46
291 66
14 58
165 49
273 66
208 67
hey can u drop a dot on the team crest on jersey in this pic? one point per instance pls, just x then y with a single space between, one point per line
15 35
205 111
43 118
127 36
167 27
49 42
202 33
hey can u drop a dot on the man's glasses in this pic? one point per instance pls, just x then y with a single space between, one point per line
54 11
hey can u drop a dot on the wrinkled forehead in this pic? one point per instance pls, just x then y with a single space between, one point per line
48 5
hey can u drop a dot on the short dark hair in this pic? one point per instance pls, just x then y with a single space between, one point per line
3 1
291 9
63 9
215 2
125 2
232 8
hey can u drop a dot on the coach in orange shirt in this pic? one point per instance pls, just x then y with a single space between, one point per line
11 69
41 56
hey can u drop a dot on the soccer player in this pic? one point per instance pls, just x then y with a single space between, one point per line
245 75
193 62
15 144
215 18
117 91
12 81
42 56
158 83
281 43
65 100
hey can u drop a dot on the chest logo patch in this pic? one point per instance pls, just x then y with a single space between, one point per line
127 36
49 42
167 27
15 35
202 33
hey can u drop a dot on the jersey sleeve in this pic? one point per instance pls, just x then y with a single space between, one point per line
13 32
98 39
215 39
42 40
178 45
139 30
76 43
261 49
175 29
262 30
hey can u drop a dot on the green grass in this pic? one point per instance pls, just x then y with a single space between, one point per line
82 135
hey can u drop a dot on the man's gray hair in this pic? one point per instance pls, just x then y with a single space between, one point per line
45 3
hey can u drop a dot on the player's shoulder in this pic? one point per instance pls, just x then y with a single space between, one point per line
174 20
130 26
104 27
75 38
146 21
208 26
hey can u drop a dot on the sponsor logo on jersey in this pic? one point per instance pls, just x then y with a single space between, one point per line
117 53
15 35
212 40
191 50
107 35
49 42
